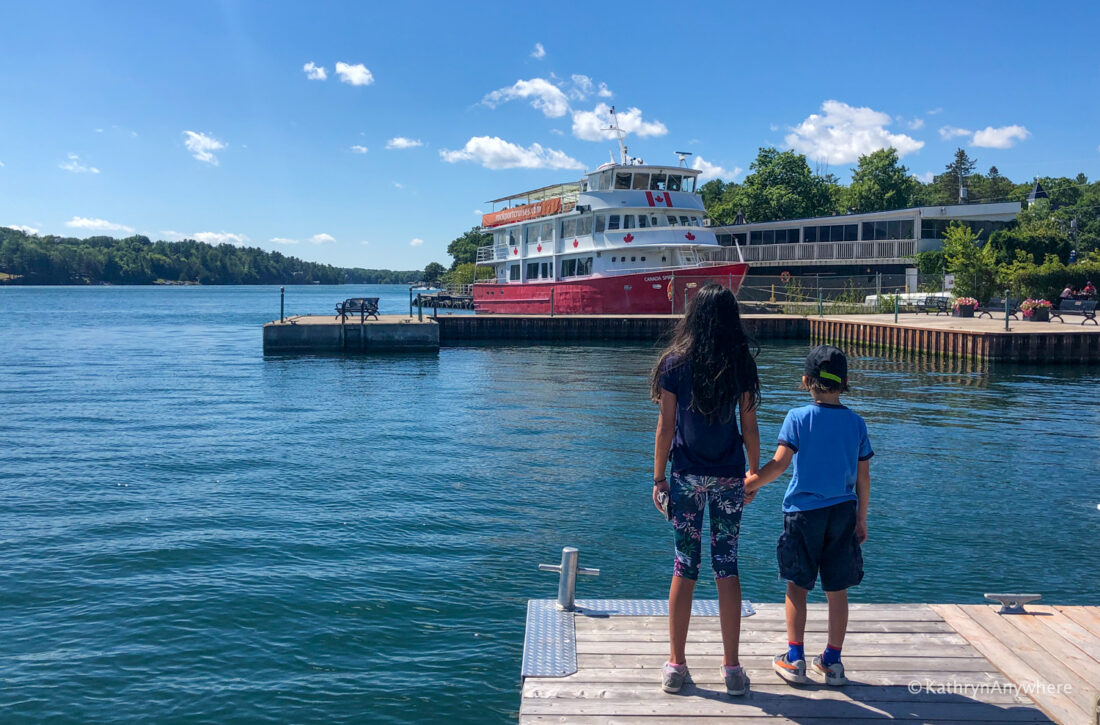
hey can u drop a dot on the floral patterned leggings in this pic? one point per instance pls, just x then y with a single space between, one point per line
689 496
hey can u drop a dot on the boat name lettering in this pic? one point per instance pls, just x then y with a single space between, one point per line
658 278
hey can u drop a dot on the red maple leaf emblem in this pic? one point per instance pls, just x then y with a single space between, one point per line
539 248
690 237
515 251
628 238
576 244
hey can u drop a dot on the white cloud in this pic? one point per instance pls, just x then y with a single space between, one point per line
282 240
949 132
1000 138
539 51
713 171
398 185
357 149
356 75
593 125
322 238
603 91
773 126
97 225
493 152
544 96
582 87
416 242
934 111
1 164
170 235
927 177
843 133
203 146
22 228
557 132
74 165
400 142
99 130
478 212
220 238
916 124
364 242
314 72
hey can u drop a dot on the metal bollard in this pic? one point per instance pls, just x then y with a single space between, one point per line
567 579
419 308
282 304
1007 311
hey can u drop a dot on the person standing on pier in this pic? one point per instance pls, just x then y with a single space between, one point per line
702 381
824 510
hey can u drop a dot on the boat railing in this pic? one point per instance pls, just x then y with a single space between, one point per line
721 255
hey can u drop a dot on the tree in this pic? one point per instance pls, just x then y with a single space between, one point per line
464 248
960 168
972 263
712 192
781 186
880 183
433 272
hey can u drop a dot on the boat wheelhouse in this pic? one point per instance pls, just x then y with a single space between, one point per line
627 238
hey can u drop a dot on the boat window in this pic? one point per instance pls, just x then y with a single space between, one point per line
568 228
628 221
671 220
530 232
605 181
584 266
584 226
643 221
599 223
664 259
673 182
641 181
633 259
546 231
613 221
685 222
657 182
643 259
532 270
654 221
569 268
545 270
688 184
613 259
498 237
513 272
622 181
513 235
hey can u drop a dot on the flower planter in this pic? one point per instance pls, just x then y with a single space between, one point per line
964 311
1040 314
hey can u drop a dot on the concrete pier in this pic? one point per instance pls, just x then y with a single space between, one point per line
327 334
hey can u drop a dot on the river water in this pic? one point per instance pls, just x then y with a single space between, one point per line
191 531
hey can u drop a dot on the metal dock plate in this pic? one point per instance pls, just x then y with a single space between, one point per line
550 642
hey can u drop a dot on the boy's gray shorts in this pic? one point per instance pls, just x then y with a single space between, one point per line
821 540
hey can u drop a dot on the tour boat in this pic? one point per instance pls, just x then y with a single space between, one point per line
628 238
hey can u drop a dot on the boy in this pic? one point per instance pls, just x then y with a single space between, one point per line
824 509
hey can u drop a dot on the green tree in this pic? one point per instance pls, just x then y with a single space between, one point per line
712 192
880 183
434 272
781 186
464 248
960 168
973 264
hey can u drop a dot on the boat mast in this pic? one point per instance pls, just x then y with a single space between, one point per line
619 135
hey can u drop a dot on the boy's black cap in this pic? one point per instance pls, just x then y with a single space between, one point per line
827 363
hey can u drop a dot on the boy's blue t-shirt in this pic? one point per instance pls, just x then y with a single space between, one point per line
828 442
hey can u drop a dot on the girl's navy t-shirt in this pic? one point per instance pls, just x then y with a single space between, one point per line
700 447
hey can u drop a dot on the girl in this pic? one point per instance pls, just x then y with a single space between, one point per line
701 381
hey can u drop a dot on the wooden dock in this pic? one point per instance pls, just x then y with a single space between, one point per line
909 662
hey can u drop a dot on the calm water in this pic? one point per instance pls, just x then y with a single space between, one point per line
190 531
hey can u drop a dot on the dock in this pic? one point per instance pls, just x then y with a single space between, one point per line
941 663
947 337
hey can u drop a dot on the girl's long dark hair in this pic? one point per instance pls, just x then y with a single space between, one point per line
711 339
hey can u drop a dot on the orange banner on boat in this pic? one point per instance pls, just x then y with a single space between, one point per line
521 213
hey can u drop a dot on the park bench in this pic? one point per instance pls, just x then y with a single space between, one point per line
935 303
363 306
998 305
1085 308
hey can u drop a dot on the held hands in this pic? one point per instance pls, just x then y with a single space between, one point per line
752 485
861 530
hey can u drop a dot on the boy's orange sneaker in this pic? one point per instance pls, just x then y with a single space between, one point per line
792 672
834 673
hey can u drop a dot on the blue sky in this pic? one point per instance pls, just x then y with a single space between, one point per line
202 119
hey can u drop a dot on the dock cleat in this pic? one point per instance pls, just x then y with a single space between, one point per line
834 673
792 672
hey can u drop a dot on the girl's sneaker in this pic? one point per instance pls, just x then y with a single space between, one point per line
834 673
737 682
673 677
792 672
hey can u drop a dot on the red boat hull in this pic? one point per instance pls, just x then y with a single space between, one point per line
644 293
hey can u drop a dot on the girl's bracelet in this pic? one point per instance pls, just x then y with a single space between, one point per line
658 481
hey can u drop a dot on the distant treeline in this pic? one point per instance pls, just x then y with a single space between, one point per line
29 259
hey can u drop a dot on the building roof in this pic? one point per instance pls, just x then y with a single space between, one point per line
948 211
1037 192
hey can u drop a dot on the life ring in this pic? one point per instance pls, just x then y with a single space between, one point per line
668 290
784 276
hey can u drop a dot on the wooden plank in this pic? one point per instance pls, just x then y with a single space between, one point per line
760 672
568 689
1065 651
1087 617
696 648
752 624
1002 647
787 705
855 663
1059 622
820 614
679 720
852 639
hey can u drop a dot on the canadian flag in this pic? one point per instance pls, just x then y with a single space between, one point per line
657 198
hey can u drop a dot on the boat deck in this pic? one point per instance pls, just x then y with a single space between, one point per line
910 662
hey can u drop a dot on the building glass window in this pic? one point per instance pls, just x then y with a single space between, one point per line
756 237
769 236
809 234
851 233
641 181
622 181
740 238
613 222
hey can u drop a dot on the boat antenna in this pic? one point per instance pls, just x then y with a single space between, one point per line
683 158
619 135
